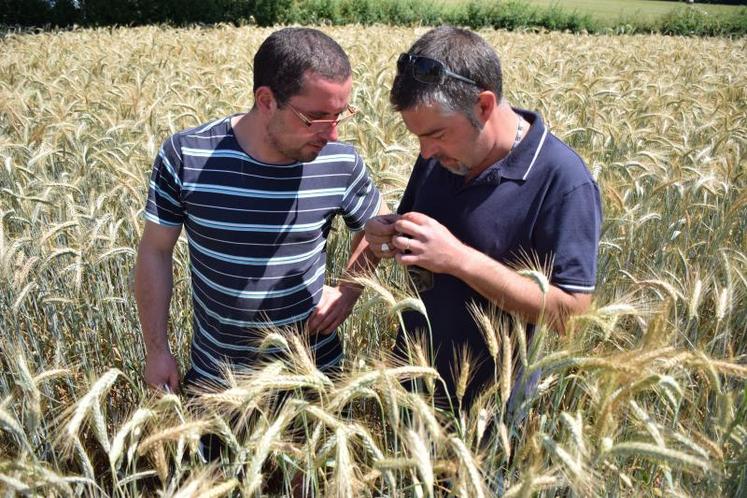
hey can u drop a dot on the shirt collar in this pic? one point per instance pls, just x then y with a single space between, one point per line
519 163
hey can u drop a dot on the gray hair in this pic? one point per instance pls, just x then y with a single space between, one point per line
462 52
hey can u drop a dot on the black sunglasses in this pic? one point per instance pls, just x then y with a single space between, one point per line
427 70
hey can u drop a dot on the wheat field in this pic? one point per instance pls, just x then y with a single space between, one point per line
644 396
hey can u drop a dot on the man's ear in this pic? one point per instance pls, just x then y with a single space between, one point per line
486 104
264 99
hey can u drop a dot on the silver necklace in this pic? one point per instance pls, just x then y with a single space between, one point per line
519 133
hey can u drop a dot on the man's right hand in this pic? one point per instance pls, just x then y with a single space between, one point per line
379 233
162 370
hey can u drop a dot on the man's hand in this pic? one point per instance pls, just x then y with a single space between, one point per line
333 308
161 370
379 231
423 241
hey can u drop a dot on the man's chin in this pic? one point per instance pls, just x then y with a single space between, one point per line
455 167
309 153
307 157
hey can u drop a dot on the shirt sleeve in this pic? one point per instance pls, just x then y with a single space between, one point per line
569 234
164 205
362 199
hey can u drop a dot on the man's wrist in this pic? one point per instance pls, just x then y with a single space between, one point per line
466 262
350 288
156 351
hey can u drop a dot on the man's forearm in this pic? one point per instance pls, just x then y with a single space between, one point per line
362 259
153 288
515 293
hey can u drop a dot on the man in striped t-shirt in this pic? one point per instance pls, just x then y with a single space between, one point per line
257 194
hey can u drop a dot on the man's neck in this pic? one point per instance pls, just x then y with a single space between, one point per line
501 129
251 135
505 123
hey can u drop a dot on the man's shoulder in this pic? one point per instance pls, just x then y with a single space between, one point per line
217 128
561 163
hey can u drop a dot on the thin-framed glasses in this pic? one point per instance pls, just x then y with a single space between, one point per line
324 124
427 70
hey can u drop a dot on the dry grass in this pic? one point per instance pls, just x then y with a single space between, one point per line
645 394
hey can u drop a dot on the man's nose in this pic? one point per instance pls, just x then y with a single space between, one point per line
330 133
428 148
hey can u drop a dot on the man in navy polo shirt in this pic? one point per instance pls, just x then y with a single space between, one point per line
491 186
257 193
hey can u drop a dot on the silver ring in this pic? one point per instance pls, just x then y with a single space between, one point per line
407 245
384 247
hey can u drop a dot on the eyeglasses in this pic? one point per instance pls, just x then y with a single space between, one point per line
427 70
324 124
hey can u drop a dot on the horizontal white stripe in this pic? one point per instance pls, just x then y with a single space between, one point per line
155 219
232 154
246 294
580 288
272 261
206 294
244 276
252 324
332 158
256 227
208 137
262 194
265 177
195 230
333 207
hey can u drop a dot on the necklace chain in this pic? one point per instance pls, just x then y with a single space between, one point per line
519 132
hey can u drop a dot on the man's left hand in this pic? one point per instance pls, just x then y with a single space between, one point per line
333 308
427 243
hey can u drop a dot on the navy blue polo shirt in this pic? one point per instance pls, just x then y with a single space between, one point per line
540 201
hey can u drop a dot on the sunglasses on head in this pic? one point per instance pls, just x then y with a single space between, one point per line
427 70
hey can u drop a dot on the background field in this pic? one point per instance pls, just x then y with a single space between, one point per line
615 10
577 16
645 394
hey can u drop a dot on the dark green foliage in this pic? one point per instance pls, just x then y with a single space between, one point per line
690 21
515 15
25 12
269 12
502 14
367 12
65 13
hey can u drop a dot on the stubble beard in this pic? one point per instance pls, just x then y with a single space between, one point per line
297 154
459 168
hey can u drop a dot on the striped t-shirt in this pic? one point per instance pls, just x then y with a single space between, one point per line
257 236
